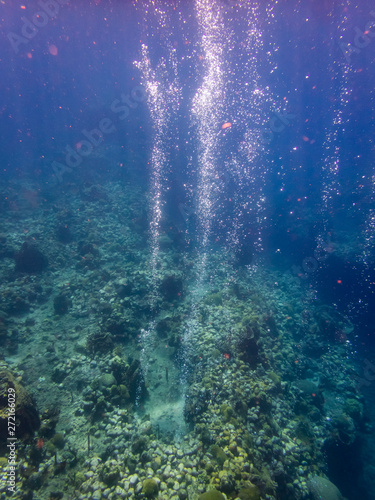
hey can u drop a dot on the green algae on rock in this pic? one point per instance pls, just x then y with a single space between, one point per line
212 495
150 488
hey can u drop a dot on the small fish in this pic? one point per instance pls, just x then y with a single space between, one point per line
226 125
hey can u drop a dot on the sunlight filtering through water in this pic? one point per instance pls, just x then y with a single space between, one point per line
163 89
250 101
331 161
187 250
207 110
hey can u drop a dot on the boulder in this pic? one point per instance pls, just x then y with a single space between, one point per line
322 489
26 416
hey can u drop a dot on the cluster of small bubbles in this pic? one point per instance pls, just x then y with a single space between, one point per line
369 235
251 99
162 87
232 119
207 109
331 162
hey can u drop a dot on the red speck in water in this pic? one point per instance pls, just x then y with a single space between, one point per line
40 443
53 50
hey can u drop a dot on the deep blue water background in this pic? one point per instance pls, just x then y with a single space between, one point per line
47 100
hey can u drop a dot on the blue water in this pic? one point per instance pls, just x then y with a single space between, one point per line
227 143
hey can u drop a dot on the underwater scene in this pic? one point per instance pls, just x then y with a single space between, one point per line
187 231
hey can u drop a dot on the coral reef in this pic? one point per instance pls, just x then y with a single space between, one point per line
29 259
26 420
146 390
